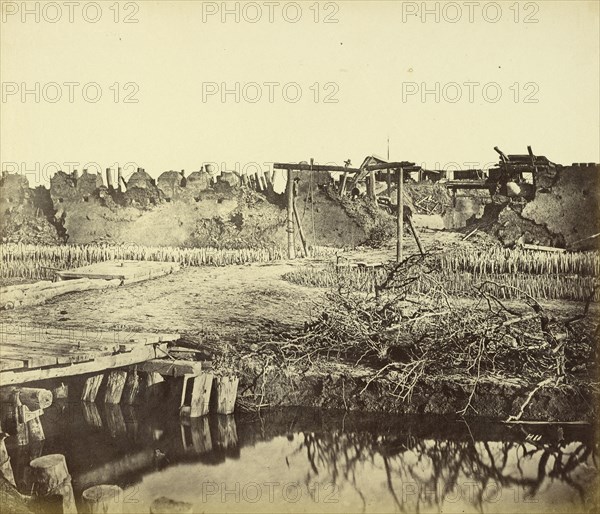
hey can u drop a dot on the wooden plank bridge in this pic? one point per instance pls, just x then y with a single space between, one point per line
30 353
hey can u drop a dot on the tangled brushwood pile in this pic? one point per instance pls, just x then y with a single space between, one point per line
406 335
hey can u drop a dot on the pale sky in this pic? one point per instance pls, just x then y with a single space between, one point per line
375 61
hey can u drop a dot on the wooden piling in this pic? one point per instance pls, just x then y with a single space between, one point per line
115 382
102 499
132 388
195 395
224 394
50 478
165 505
91 387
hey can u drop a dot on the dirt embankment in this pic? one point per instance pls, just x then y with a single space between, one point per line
217 309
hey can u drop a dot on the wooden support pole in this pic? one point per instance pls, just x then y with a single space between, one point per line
400 216
415 234
90 388
132 388
300 230
290 215
50 477
102 499
34 397
115 382
343 184
120 180
195 395
224 394
371 190
165 505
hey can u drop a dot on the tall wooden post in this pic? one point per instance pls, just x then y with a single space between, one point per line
400 216
290 215
371 185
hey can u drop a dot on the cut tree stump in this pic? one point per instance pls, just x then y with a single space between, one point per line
115 382
50 478
224 394
195 395
102 499
91 387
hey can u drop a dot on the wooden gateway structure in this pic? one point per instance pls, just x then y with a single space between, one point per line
367 170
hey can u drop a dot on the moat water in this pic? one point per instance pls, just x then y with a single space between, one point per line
305 460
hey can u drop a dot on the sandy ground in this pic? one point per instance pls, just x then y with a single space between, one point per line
234 302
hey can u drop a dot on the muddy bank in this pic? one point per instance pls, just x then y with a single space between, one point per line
357 391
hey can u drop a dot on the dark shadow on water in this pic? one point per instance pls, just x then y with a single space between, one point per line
432 457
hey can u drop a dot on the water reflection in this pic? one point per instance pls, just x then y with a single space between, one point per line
314 461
